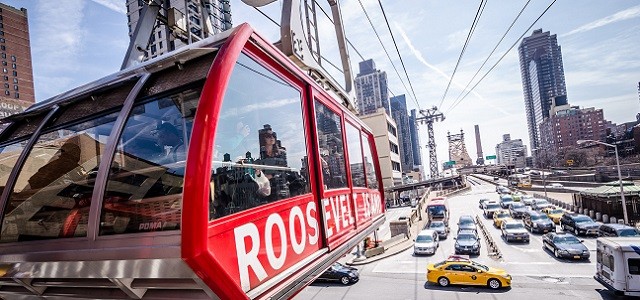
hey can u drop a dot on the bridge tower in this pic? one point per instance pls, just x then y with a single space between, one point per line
458 151
428 117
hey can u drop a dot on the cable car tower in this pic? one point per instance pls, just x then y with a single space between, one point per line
428 117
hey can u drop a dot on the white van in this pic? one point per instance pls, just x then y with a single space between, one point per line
618 264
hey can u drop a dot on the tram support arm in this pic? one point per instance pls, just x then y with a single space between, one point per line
141 34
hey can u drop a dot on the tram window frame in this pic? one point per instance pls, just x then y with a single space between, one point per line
73 189
162 177
238 185
332 157
354 151
370 169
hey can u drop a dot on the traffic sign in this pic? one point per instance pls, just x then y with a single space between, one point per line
491 157
450 163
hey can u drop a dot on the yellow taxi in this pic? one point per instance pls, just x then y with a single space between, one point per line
461 270
500 216
555 214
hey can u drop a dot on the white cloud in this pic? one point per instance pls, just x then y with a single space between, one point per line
626 14
58 43
118 6
456 39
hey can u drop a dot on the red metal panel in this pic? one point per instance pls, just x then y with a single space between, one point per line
255 249
195 210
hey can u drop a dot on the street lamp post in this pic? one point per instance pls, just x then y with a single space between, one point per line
615 147
544 176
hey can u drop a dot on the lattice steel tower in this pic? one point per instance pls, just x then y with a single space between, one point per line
428 117
458 151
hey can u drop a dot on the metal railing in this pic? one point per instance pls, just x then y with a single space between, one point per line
492 247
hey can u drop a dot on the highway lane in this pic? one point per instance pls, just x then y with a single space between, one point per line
536 272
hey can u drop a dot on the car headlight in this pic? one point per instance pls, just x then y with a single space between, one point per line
353 274
564 251
476 246
585 251
535 224
457 245
507 276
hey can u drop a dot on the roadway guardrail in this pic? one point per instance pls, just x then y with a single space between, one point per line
492 247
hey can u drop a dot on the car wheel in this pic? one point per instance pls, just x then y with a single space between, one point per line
494 283
345 280
443 281
556 253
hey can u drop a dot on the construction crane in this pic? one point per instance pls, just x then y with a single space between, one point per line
429 116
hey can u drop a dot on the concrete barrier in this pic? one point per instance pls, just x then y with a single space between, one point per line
592 213
598 216
374 251
605 218
621 222
613 220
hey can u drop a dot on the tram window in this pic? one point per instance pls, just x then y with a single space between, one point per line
260 152
355 156
52 194
8 157
329 127
144 187
372 180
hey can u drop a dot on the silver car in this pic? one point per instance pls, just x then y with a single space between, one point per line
426 242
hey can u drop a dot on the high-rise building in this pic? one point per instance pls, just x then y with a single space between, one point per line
371 89
415 139
511 152
569 124
203 18
399 114
385 132
15 51
543 80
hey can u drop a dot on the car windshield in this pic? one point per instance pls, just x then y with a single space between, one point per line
436 225
569 239
583 219
555 211
542 202
467 236
527 197
424 239
493 206
466 221
517 205
475 264
539 217
507 199
437 210
628 232
503 214
514 226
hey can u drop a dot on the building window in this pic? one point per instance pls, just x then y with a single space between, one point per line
153 49
4 63
15 74
6 85
17 95
195 20
160 44
6 92
13 57
3 48
159 34
2 32
15 87
4 55
2 40
4 70
14 66
6 78
15 80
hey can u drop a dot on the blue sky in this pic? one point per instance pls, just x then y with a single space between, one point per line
77 41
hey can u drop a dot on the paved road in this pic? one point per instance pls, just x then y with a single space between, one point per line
537 274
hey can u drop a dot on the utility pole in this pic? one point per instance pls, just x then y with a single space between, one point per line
428 117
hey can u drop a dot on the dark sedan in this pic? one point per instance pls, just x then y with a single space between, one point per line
565 245
440 227
341 273
517 210
467 243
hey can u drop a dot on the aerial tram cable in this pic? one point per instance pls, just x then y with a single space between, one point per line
415 98
481 7
505 54
492 51
384 48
